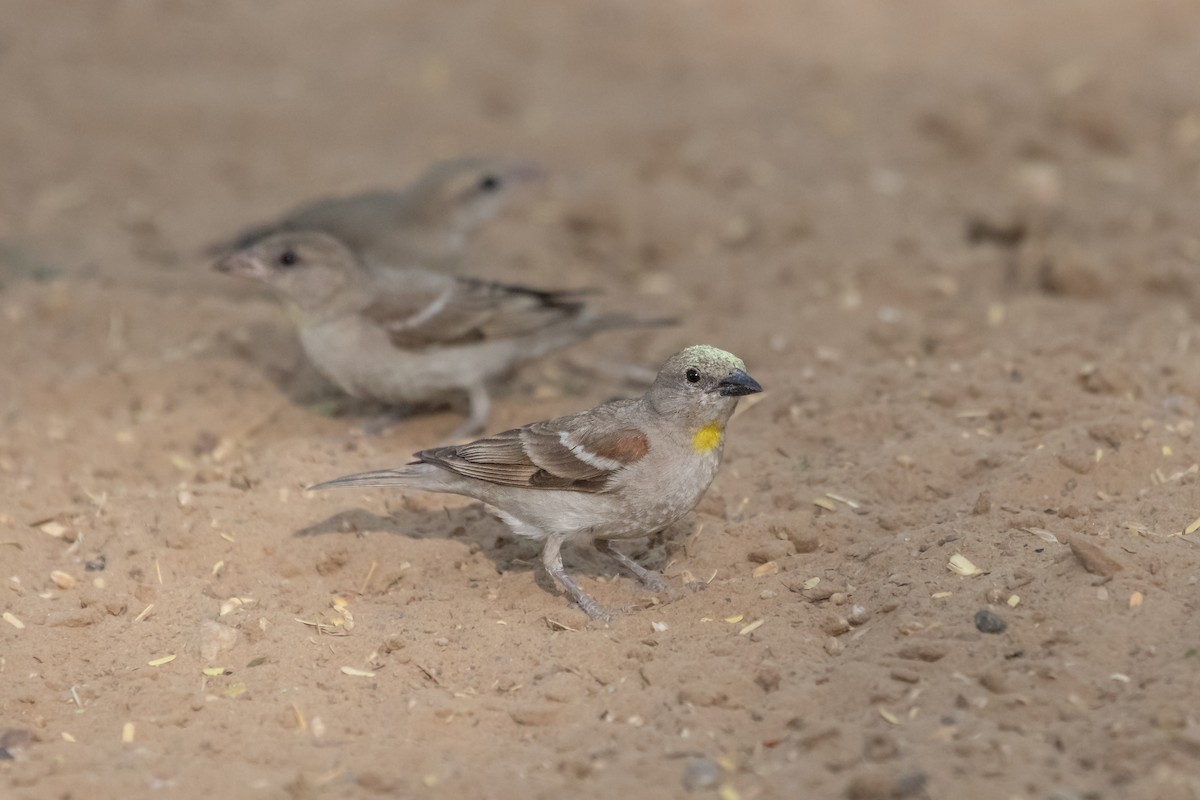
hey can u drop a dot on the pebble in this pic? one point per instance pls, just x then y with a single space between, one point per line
1093 559
804 541
703 694
73 618
834 647
886 786
700 773
772 551
994 682
768 677
62 580
989 622
534 716
922 651
215 638
880 747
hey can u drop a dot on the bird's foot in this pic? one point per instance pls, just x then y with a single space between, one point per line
653 581
594 610
648 578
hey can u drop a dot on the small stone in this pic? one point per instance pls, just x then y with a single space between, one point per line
534 716
700 773
858 616
62 580
215 638
767 569
563 687
772 551
768 677
983 503
870 786
1093 559
13 743
886 786
1170 718
834 647
703 694
880 747
836 626
994 682
1077 462
73 618
989 622
838 598
922 651
804 541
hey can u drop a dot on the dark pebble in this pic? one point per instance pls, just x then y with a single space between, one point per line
987 622
700 773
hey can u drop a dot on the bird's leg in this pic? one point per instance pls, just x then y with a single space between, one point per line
479 406
649 578
552 560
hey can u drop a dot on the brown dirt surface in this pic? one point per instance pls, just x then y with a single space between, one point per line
956 242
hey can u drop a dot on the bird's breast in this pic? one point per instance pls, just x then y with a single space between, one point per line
708 438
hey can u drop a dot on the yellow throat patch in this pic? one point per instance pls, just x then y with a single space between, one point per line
707 437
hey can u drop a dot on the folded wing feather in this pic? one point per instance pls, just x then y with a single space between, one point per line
580 453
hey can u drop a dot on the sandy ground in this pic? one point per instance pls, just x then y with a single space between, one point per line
956 241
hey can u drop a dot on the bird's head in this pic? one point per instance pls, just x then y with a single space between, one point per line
462 194
701 385
306 268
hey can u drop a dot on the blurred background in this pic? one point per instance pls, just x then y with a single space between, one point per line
686 142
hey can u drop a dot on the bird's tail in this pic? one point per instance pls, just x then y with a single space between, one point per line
379 477
577 328
607 322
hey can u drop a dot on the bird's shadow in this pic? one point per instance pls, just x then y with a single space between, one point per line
482 532
274 350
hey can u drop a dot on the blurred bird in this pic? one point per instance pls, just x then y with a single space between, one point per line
425 225
623 470
412 336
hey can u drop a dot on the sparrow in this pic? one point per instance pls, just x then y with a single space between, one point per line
403 337
425 225
623 470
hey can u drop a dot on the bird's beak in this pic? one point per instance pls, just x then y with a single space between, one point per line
737 384
244 266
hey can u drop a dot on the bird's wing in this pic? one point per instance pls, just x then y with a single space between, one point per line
357 220
580 453
455 310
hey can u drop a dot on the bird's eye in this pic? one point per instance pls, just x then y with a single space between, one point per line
489 183
288 258
692 375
